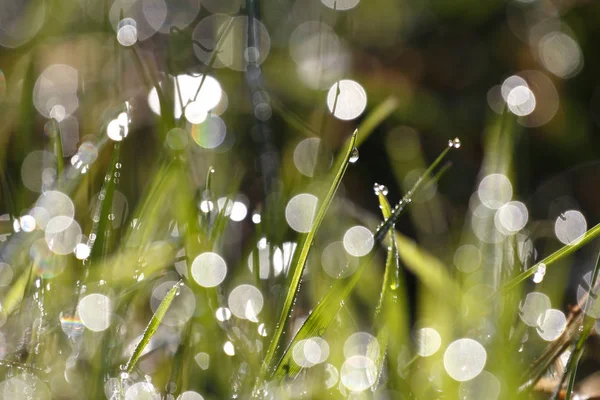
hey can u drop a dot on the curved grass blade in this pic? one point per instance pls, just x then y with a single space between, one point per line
557 255
299 260
152 326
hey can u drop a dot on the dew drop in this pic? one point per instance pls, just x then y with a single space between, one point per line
456 143
377 188
353 156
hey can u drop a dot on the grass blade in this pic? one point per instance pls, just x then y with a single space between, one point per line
391 310
300 257
102 224
557 255
152 326
588 324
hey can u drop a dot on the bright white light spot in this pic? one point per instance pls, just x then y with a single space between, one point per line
185 88
358 373
189 395
560 54
223 314
209 269
238 211
54 204
551 324
195 113
246 302
95 311
534 306
340 5
428 341
256 218
570 227
358 241
316 350
55 90
27 223
209 134
203 360
511 217
229 349
142 391
336 261
521 101
62 234
206 206
82 251
181 309
484 386
262 330
360 344
58 112
127 32
305 156
272 261
464 359
509 84
116 130
467 258
301 211
348 102
495 190
300 350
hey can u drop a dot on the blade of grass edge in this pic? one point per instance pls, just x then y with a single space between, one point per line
557 255
300 261
152 326
588 324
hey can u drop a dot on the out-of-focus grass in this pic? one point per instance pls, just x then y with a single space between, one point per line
136 310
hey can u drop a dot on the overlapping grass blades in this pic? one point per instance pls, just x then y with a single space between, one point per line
327 308
391 314
557 255
300 256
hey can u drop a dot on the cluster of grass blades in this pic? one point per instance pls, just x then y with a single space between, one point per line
180 299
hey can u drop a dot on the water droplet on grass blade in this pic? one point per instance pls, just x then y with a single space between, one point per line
354 156
377 188
127 32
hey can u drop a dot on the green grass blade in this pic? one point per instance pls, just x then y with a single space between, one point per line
102 225
319 319
58 149
391 310
588 325
557 255
383 228
152 326
300 257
